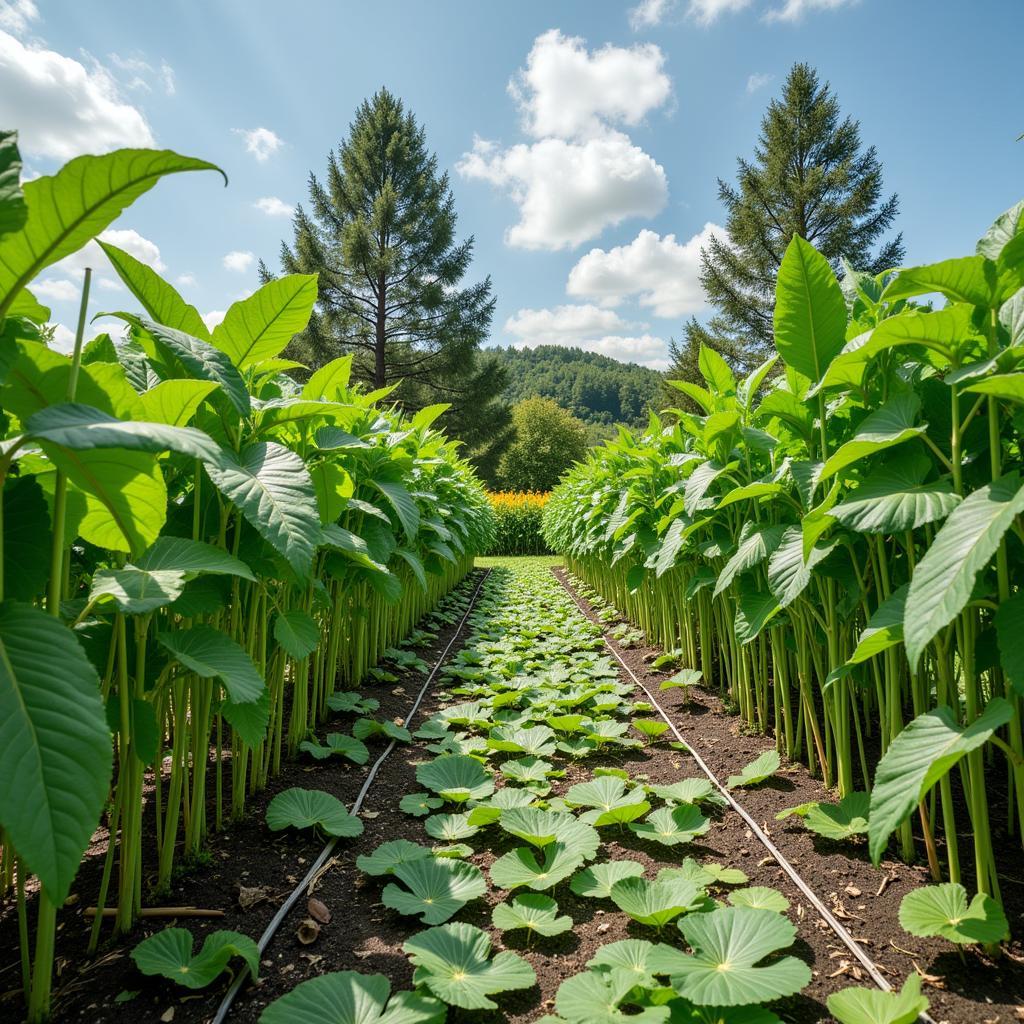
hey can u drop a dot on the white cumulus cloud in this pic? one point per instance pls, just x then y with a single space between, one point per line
214 317
794 10
569 192
62 108
274 207
262 143
238 261
56 289
649 13
567 92
186 280
705 12
663 273
758 81
17 15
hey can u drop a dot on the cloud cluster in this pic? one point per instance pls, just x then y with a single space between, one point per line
274 207
649 13
581 173
262 143
238 261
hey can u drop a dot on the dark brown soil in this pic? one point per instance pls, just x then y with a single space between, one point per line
363 935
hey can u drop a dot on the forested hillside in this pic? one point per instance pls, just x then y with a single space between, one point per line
596 388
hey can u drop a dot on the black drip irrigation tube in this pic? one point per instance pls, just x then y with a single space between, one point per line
229 997
777 855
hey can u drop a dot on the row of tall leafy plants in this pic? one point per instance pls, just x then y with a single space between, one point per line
197 551
518 522
837 539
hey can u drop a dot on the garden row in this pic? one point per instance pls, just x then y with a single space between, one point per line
518 523
198 553
835 541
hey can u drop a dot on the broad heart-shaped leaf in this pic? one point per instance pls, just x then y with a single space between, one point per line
539 741
194 558
893 498
453 962
438 887
67 209
757 543
762 767
754 610
420 804
337 743
656 903
917 758
869 1006
249 719
169 953
137 591
388 856
197 357
541 828
943 910
304 808
258 327
671 826
788 571
598 997
297 632
944 578
348 997
884 629
642 959
536 913
759 897
450 828
403 503
810 311
728 944
162 303
55 749
967 279
352 701
270 486
13 209
890 424
329 382
597 880
456 777
523 866
683 679
840 821
213 654
610 801
685 791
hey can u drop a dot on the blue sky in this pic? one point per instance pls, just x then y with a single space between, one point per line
587 183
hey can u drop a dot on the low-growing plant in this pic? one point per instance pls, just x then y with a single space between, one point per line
309 808
763 767
337 743
656 903
169 953
389 855
436 887
536 913
456 778
611 801
857 1005
944 910
671 826
840 821
597 880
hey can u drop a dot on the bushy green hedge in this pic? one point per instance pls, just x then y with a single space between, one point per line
518 515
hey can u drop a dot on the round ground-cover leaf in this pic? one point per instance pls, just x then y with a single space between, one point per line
348 997
212 654
488 811
137 591
337 743
353 702
597 880
671 826
304 808
437 888
388 856
683 679
857 1005
453 961
703 873
652 728
656 903
685 791
297 632
641 958
840 821
728 945
458 850
55 747
420 804
364 728
763 767
611 802
194 558
943 910
527 770
169 953
450 828
759 897
456 777
539 828
917 758
538 741
522 867
606 996
686 1013
532 911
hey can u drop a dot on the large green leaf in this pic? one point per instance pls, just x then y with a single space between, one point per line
13 209
402 502
728 945
436 888
658 902
762 767
609 799
890 424
943 910
304 808
389 856
27 535
607 996
453 962
671 826
163 305
756 544
259 327
788 571
884 628
967 279
532 911
297 632
137 591
348 997
269 484
597 880
456 777
1009 622
330 381
213 654
175 401
194 558
869 1006
523 867
810 312
944 579
917 758
169 954
55 748
69 208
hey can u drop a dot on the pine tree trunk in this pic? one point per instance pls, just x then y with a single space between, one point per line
380 368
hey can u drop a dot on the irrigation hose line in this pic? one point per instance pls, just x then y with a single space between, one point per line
830 919
229 997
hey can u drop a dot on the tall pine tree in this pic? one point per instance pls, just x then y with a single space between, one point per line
809 176
380 231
